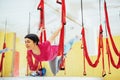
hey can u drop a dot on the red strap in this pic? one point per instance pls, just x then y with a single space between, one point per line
42 23
63 12
32 65
86 51
116 65
108 55
63 9
109 30
2 58
63 21
102 49
42 20
59 2
61 41
84 72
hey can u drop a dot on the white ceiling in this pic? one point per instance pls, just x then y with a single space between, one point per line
16 12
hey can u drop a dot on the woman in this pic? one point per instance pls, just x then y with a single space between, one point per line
43 51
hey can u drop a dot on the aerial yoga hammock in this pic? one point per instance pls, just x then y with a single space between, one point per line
49 52
100 47
3 52
2 57
110 58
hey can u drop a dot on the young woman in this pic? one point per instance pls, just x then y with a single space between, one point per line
44 51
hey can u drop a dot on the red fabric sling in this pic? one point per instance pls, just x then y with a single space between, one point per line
61 41
2 58
109 30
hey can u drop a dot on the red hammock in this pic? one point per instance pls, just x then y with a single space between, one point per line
112 41
61 41
2 58
100 50
109 30
110 55
42 20
3 54
100 45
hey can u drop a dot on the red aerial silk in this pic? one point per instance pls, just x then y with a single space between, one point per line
63 12
112 41
32 65
2 58
109 31
110 55
85 51
42 20
42 24
63 21
3 55
61 41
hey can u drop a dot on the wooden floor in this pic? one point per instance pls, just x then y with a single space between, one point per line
51 78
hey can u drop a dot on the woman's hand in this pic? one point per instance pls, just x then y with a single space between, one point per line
60 27
41 30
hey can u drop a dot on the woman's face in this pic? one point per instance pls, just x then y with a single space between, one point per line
29 44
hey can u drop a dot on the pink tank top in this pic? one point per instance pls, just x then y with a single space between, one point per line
48 52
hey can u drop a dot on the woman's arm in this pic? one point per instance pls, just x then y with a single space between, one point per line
40 31
55 34
32 65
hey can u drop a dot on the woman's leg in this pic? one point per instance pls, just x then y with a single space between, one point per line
54 65
55 34
67 47
69 44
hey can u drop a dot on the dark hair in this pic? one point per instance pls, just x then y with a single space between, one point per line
33 37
